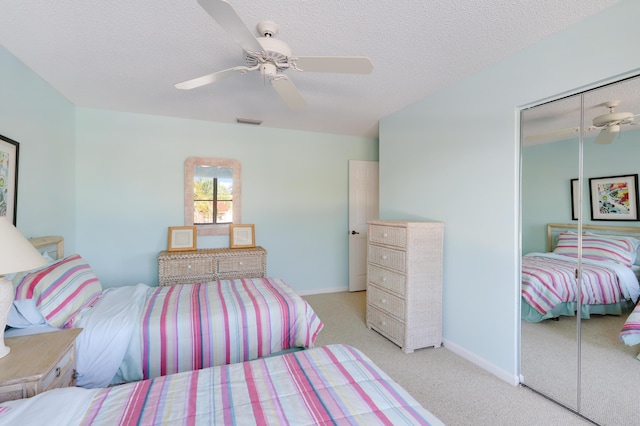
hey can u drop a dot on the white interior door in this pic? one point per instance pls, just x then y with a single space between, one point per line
363 206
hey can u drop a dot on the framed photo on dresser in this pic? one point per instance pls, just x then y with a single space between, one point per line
182 238
242 236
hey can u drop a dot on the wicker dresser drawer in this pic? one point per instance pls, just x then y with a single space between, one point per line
389 258
388 235
242 264
191 267
390 327
386 280
196 266
386 302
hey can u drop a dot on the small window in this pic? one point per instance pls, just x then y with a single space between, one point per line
212 194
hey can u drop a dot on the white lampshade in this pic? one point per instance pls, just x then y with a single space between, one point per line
17 254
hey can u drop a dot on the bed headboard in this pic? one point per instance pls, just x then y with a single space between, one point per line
52 245
554 230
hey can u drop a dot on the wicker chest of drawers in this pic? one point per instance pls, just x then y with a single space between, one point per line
196 266
404 282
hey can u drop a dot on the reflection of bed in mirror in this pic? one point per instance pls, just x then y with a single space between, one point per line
610 269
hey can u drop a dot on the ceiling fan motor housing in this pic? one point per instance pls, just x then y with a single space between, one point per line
613 118
275 51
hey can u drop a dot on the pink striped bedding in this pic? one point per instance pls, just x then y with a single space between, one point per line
548 282
320 386
335 384
188 327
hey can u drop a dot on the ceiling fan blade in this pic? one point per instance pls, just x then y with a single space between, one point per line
555 134
552 134
337 64
211 78
288 92
607 135
222 12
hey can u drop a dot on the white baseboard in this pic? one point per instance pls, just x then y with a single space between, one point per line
482 363
323 291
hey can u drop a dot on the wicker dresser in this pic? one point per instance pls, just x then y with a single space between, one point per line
196 266
404 282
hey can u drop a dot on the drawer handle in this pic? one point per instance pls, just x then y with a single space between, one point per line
383 322
384 235
58 370
383 301
188 266
240 263
384 279
384 257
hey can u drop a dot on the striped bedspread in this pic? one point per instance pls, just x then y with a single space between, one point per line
547 282
334 384
630 333
188 327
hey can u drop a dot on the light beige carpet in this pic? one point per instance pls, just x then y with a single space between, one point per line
452 388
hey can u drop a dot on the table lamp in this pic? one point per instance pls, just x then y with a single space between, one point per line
17 254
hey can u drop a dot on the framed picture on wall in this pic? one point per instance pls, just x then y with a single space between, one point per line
182 238
575 201
242 236
614 197
9 150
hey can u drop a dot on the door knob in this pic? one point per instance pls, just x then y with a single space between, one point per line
354 232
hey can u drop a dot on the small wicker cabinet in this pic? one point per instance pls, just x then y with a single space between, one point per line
404 282
196 266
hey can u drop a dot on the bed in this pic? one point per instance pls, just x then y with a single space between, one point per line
335 384
610 265
610 273
139 332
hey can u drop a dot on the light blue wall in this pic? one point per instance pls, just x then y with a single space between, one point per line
546 174
130 189
112 183
547 171
43 122
454 156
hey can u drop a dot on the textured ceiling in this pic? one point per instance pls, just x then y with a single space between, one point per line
550 119
126 55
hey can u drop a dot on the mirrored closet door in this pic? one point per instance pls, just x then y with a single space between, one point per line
580 160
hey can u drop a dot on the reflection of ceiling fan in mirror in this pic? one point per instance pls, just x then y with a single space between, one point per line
271 57
609 125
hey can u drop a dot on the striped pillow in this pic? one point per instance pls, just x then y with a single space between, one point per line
599 247
61 290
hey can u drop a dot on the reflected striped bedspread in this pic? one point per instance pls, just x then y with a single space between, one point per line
630 333
547 282
188 327
334 384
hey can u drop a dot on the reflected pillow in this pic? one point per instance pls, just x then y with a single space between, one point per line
599 247
60 290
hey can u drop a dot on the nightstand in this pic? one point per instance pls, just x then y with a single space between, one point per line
37 363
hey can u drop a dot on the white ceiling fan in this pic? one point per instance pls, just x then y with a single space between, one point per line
271 56
609 125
